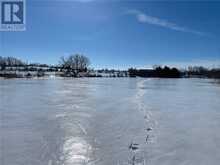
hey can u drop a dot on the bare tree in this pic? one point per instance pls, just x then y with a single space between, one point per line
10 61
75 62
83 62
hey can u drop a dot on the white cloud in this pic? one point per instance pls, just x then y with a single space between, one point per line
144 18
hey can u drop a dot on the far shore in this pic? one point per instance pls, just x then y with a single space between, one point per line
78 66
50 72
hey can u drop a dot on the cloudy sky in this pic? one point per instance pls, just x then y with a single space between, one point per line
119 33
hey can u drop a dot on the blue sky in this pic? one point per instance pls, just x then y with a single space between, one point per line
118 33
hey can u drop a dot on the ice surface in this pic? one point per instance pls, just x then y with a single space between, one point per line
109 122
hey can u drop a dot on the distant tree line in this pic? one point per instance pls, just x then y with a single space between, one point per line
71 66
162 72
71 63
199 71
77 65
10 61
167 72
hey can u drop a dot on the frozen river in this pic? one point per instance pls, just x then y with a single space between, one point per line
109 122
